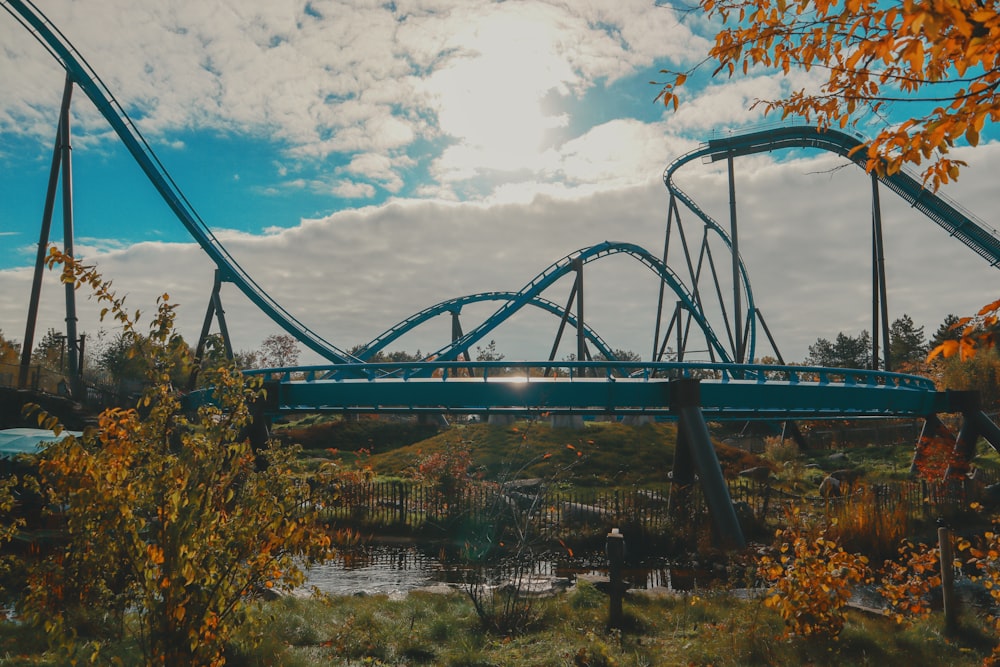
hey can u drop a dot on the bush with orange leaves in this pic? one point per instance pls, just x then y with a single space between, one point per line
811 578
982 557
906 582
173 521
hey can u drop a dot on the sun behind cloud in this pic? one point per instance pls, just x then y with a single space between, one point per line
489 97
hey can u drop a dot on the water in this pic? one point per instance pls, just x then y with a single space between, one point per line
395 570
376 570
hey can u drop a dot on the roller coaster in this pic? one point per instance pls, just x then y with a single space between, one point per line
726 387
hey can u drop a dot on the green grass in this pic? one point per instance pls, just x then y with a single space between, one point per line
601 454
433 629
318 434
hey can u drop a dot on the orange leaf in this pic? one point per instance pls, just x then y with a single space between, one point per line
945 349
988 308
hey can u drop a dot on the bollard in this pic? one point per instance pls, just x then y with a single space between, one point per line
614 547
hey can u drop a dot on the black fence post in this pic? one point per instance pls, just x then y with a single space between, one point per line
615 549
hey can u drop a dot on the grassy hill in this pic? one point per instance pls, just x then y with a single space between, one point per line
606 454
603 453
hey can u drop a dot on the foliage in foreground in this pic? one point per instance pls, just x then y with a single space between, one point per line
431 629
172 519
868 56
812 578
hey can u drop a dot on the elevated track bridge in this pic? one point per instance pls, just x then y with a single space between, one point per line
726 387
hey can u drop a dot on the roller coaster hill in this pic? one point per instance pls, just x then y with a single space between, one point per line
698 311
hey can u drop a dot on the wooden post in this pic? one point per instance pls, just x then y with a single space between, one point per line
948 580
615 549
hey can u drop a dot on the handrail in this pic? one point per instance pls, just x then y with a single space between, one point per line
637 371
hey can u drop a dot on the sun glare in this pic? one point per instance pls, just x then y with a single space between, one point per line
490 95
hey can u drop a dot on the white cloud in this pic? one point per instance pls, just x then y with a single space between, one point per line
353 190
433 85
381 168
617 153
804 233
359 77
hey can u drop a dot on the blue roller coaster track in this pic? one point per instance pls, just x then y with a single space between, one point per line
973 232
563 267
685 391
454 306
87 79
869 397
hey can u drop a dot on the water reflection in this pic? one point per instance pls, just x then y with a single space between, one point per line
391 569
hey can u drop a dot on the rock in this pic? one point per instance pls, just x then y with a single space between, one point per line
829 487
837 457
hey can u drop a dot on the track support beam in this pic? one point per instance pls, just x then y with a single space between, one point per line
739 351
694 446
214 311
60 154
880 299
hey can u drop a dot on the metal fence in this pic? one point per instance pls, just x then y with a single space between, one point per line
39 378
558 514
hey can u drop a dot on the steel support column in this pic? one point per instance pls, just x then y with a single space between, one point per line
737 292
880 302
671 211
43 241
986 428
692 435
456 330
562 324
214 311
72 339
581 339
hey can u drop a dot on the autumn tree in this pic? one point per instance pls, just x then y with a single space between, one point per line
971 334
125 361
866 56
278 351
9 350
172 519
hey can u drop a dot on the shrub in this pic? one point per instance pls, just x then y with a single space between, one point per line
872 520
906 582
811 578
172 519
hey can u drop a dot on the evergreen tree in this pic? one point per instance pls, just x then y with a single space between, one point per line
50 351
845 352
906 342
946 332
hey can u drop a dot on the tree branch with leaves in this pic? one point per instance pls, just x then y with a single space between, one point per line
868 56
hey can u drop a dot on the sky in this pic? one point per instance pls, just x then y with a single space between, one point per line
363 160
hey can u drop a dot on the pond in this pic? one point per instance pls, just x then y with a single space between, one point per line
397 569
